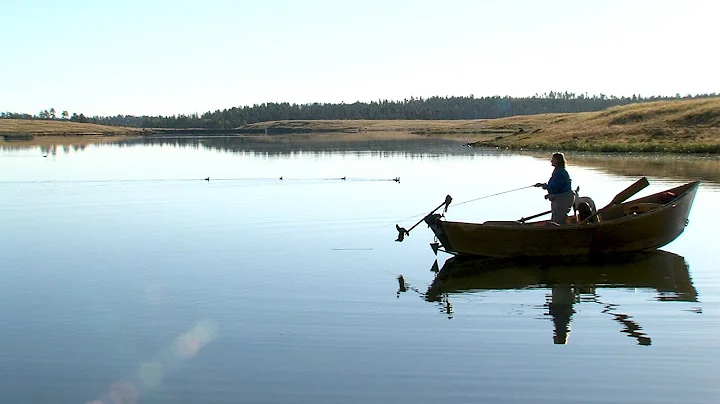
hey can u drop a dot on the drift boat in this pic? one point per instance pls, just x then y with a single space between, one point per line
622 226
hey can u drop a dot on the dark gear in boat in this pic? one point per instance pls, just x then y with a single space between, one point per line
585 208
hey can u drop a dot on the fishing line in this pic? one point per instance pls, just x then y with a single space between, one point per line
488 196
447 205
471 200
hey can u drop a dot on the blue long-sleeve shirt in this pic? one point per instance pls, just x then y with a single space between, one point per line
559 182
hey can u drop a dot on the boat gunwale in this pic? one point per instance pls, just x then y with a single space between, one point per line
533 226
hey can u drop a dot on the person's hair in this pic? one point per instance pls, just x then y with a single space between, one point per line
560 158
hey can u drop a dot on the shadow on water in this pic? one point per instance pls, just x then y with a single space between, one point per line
569 284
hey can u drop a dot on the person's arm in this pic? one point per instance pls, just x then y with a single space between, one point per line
544 185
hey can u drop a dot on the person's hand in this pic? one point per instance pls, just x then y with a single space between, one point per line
538 185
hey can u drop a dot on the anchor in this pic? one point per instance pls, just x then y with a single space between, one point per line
402 232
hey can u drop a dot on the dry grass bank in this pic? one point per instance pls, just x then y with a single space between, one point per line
18 133
666 126
465 128
60 128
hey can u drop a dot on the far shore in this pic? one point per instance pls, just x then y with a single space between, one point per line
686 126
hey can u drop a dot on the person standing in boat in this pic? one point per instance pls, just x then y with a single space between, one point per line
559 189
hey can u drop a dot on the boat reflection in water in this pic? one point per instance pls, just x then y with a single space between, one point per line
570 284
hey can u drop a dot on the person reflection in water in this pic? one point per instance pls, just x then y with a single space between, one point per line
561 309
559 189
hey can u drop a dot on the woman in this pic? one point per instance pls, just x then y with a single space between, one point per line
559 189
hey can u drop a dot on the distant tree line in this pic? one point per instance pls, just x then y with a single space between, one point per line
469 107
49 115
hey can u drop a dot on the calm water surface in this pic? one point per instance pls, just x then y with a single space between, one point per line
123 269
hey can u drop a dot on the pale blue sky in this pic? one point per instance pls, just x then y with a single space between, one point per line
169 57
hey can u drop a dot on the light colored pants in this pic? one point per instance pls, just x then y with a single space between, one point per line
560 205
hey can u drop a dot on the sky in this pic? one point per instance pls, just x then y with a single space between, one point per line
167 57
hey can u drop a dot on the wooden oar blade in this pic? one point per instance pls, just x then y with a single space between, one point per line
633 189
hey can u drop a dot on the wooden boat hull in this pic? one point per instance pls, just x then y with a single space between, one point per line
625 228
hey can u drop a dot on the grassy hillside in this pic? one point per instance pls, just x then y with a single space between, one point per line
59 128
672 126
461 129
666 126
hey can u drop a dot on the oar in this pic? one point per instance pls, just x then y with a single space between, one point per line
633 189
401 230
524 219
623 196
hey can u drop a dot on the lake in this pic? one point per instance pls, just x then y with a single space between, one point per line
185 270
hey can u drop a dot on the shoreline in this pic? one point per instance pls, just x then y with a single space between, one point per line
477 140
683 127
